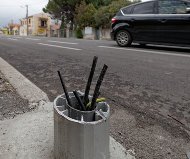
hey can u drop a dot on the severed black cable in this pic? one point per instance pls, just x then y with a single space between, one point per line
86 100
97 88
82 107
64 89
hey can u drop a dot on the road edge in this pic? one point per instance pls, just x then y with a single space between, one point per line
25 88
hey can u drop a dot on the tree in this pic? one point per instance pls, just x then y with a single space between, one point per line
84 12
54 9
85 15
99 3
104 14
61 9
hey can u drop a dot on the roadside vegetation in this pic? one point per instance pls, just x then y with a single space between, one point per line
81 13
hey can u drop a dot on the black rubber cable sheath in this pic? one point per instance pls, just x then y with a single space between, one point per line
64 89
97 88
86 94
82 107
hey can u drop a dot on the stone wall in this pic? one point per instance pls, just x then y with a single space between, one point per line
105 34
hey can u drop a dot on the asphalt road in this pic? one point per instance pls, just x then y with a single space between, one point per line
148 88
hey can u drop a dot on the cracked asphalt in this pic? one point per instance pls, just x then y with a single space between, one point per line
147 88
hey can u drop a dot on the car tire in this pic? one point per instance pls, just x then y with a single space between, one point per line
123 38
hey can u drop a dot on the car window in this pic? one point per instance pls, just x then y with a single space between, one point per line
173 7
119 13
144 8
127 10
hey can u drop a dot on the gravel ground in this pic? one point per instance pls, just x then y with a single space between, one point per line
11 104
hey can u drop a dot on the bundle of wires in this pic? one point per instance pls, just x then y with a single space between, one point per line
84 103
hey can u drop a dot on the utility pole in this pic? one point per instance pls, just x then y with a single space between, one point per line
27 20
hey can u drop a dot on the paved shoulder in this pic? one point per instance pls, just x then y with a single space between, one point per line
24 87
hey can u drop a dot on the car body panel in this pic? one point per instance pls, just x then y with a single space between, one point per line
154 28
174 28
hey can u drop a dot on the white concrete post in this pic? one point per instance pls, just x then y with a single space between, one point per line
85 138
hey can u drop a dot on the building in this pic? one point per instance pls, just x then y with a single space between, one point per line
1 32
5 30
13 29
38 25
16 29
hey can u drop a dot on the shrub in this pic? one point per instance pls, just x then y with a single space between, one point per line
104 14
78 33
85 15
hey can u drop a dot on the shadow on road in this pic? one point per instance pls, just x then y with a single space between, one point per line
163 48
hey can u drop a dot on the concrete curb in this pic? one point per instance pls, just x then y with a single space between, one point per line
25 88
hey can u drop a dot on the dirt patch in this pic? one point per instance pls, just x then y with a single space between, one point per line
11 104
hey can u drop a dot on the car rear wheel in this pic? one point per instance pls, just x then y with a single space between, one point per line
123 38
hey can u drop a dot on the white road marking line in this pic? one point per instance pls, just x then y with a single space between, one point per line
61 42
32 39
12 39
60 46
146 51
18 37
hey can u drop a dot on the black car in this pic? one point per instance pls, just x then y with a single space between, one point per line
155 21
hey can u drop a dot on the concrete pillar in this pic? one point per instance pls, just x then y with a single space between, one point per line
85 138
